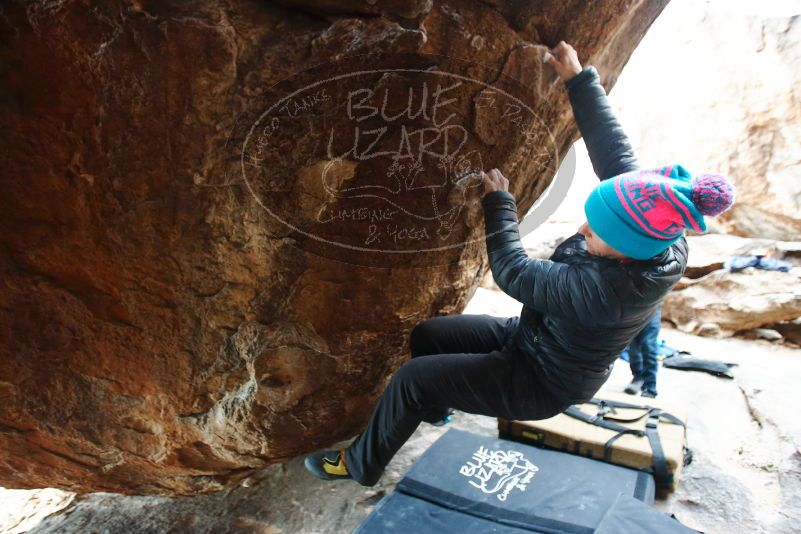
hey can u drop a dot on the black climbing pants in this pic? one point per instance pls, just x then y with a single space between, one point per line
463 362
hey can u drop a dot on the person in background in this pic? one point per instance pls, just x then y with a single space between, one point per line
643 351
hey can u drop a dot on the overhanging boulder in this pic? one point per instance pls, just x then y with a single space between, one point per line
215 235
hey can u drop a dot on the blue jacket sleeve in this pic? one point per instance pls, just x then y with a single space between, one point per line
608 146
549 287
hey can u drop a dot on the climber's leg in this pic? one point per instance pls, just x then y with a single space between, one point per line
451 334
501 383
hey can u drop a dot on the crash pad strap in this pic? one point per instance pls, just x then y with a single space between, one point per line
603 403
641 487
599 420
662 476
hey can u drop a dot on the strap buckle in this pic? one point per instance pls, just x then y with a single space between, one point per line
603 409
653 418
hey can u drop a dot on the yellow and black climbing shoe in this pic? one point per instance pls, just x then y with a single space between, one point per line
328 465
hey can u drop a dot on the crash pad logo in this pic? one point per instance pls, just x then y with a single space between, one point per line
498 472
388 160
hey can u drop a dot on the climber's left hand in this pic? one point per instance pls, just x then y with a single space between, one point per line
494 181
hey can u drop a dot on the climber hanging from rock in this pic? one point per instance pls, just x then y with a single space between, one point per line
581 307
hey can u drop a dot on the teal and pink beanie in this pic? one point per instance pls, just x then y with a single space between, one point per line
641 213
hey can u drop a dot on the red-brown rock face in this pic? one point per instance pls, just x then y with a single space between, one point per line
220 220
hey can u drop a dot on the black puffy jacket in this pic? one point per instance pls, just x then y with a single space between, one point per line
579 310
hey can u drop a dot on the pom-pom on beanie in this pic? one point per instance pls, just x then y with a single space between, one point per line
641 213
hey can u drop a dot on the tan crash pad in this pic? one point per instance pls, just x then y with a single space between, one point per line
566 433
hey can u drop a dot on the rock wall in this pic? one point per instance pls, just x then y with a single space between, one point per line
221 220
723 302
718 88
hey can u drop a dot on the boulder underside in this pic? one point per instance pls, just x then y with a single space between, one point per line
221 220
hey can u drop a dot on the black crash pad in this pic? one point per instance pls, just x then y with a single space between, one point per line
403 514
683 361
520 485
634 517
